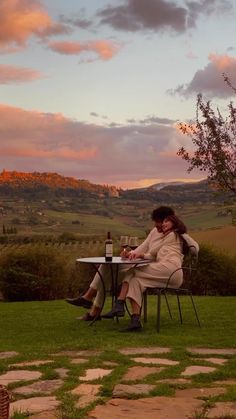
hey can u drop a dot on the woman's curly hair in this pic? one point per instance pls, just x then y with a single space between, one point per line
179 228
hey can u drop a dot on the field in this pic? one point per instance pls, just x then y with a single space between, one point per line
224 238
208 223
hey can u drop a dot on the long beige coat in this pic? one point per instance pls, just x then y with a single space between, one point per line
153 241
167 257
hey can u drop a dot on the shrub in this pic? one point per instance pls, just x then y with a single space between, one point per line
66 237
216 273
33 273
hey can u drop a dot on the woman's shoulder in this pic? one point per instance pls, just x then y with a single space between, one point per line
171 236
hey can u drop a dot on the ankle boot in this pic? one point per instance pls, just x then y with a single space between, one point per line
117 311
135 324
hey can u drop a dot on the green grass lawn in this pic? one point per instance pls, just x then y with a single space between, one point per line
40 330
44 327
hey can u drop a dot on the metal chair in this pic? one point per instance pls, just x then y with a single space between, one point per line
189 268
4 403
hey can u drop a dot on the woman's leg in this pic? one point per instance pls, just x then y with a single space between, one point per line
96 292
135 323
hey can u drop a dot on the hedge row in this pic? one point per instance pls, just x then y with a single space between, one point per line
40 272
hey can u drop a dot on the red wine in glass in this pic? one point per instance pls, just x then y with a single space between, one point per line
124 241
133 243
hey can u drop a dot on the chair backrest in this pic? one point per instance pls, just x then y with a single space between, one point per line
189 266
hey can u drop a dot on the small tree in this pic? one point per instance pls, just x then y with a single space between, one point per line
214 138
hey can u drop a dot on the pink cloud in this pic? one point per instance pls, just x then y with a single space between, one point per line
209 80
62 153
20 19
104 49
37 141
222 62
10 74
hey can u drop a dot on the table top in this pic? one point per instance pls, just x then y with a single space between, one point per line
116 260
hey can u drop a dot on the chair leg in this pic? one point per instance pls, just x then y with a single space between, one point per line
145 307
168 306
195 310
179 308
158 311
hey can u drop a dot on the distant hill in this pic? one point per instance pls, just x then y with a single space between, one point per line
13 182
178 192
36 185
161 185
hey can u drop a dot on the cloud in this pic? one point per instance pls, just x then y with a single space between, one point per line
157 120
206 8
79 22
20 19
104 49
32 140
209 80
135 15
159 15
96 115
10 74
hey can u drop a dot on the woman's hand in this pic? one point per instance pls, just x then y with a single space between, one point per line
135 255
124 254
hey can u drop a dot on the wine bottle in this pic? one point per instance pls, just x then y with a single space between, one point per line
108 248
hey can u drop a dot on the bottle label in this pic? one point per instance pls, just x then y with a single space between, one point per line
109 250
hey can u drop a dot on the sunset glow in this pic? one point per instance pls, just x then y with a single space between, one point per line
98 92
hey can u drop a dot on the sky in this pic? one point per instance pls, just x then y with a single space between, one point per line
95 89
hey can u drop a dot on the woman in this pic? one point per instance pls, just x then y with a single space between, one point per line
93 298
166 256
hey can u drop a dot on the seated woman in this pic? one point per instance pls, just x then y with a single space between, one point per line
93 298
166 256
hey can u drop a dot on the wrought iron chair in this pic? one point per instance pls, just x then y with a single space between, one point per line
189 268
4 403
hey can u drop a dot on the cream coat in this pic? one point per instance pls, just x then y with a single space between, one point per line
166 255
152 272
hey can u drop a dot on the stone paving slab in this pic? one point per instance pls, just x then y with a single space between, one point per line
86 389
9 354
77 361
34 405
138 373
200 392
125 390
45 386
19 375
110 363
210 351
84 401
62 372
88 394
94 374
197 369
146 351
218 361
226 382
32 363
147 408
221 409
46 415
87 352
160 361
174 381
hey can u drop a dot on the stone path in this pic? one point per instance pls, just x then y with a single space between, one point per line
134 394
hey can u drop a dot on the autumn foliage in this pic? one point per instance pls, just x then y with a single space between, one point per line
214 140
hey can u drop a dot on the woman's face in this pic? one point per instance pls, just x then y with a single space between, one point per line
167 225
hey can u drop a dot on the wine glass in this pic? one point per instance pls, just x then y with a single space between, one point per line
124 241
133 243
